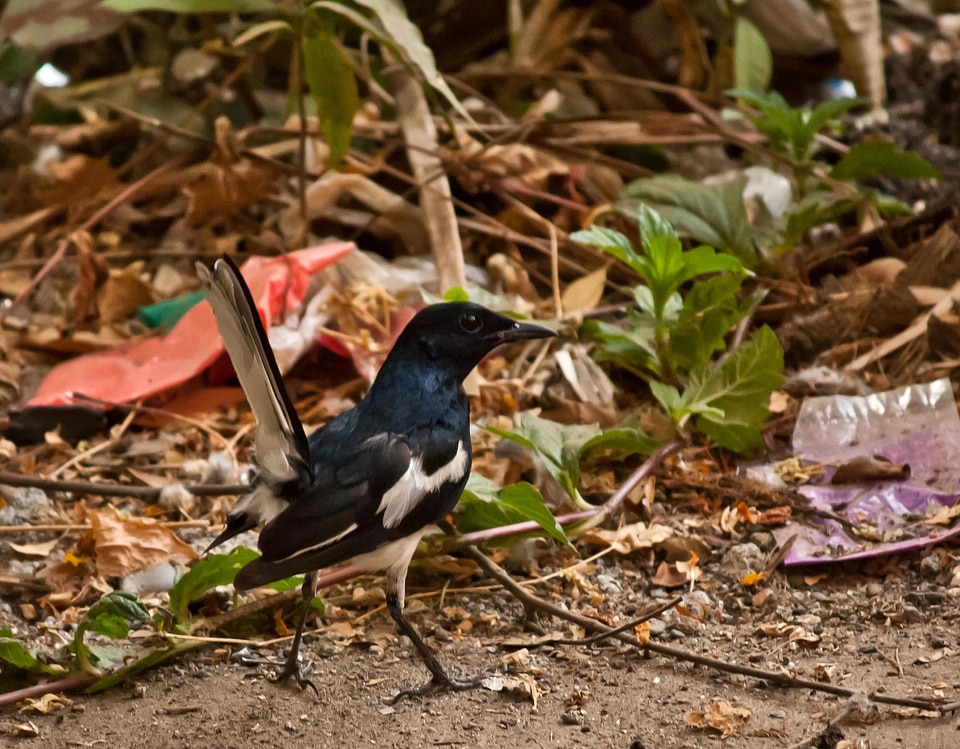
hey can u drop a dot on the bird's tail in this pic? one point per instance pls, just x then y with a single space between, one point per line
280 447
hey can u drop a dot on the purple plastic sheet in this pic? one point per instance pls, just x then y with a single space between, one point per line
916 425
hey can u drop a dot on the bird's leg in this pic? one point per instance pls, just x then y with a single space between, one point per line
441 681
292 667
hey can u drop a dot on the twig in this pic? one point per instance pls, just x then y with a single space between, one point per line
68 528
531 601
114 490
625 627
69 684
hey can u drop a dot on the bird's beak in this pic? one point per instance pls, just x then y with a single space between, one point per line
522 331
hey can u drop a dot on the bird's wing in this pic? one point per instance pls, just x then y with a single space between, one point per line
379 493
281 445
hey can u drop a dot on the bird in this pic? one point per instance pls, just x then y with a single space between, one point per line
365 486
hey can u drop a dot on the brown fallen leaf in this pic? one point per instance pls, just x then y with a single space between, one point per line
721 716
39 550
629 538
675 574
46 704
125 545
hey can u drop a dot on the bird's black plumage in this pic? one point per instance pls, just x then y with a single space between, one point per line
366 485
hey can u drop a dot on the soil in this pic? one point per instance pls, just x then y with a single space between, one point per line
892 629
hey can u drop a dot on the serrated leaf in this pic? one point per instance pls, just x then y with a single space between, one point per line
208 573
652 224
332 84
613 242
713 214
731 401
752 61
881 158
109 624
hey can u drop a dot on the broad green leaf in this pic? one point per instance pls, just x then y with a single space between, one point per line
631 345
881 158
483 506
109 624
713 214
332 84
668 397
208 573
117 603
625 439
191 6
731 401
752 61
14 652
710 309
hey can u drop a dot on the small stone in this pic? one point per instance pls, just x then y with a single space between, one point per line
930 565
572 718
874 590
741 560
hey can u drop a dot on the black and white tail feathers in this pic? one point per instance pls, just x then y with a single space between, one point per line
280 446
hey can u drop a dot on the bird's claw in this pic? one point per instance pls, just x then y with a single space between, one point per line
438 684
295 672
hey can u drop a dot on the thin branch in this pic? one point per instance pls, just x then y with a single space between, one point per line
531 601
115 490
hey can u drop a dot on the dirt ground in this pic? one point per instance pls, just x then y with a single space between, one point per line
891 630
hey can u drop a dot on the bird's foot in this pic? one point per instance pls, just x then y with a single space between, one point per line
293 670
441 683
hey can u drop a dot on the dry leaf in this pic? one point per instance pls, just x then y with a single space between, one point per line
720 716
46 704
642 633
123 293
125 545
524 683
629 538
585 293
40 551
26 730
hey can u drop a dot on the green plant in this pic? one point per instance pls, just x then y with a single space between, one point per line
825 193
678 330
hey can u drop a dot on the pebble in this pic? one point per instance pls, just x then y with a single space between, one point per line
742 559
572 718
25 506
874 590
609 585
930 565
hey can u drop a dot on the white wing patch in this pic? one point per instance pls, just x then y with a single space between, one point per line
414 485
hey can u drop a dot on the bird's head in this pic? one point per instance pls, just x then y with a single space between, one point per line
457 335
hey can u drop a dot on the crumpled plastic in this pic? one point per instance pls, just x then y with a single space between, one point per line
155 365
917 426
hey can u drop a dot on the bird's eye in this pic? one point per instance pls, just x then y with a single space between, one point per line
470 322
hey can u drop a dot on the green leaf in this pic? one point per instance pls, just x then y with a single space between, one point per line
117 603
881 158
632 345
613 242
652 224
752 61
456 294
190 6
485 506
625 439
409 41
14 652
208 573
713 214
731 401
332 84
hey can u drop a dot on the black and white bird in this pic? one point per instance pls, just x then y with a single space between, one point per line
365 486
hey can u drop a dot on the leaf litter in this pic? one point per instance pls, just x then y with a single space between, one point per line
225 202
